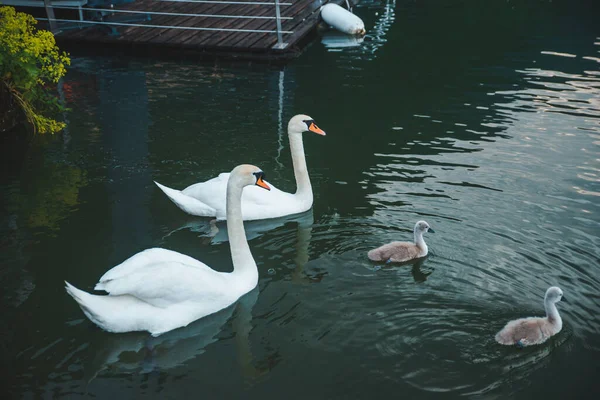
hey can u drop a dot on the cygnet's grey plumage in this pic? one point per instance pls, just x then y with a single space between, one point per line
403 251
534 330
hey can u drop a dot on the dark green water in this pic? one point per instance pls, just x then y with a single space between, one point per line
482 118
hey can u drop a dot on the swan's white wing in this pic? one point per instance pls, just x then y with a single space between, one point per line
189 204
144 259
214 191
256 196
257 203
168 283
211 192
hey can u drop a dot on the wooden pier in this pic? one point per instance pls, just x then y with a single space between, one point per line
246 29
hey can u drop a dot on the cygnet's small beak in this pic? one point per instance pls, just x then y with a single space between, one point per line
431 230
262 184
314 128
564 299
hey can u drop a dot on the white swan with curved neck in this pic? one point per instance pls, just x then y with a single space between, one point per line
207 199
158 290
534 330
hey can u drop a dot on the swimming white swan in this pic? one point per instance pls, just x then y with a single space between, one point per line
403 251
534 330
158 290
207 199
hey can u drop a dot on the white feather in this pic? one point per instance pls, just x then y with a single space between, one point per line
187 203
257 203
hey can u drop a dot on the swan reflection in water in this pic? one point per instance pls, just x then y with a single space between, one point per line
215 232
139 352
419 274
304 226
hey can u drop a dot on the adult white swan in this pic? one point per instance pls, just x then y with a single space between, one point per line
158 290
207 199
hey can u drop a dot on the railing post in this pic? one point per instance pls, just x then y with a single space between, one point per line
51 17
280 45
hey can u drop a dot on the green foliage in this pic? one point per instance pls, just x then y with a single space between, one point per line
30 66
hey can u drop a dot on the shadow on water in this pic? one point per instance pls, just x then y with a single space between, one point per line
142 353
418 272
215 232
138 356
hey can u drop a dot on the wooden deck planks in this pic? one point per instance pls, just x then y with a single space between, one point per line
225 40
300 26
199 40
218 38
268 41
259 40
179 35
304 13
243 39
140 33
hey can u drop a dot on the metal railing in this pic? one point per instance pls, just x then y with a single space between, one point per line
141 18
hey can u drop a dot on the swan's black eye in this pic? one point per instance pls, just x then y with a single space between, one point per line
309 121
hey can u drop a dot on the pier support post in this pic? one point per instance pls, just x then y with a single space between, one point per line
280 44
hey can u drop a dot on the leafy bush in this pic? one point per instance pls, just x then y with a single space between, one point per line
30 66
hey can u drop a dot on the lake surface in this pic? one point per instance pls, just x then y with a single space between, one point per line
482 118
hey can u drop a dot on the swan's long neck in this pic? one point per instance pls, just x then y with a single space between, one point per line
552 313
420 242
243 262
304 189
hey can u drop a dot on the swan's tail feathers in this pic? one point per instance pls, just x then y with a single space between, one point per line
86 301
375 255
187 203
505 337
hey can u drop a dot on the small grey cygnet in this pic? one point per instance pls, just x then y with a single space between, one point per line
403 251
534 330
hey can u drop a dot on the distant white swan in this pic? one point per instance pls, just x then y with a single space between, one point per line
207 199
158 290
403 251
534 330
